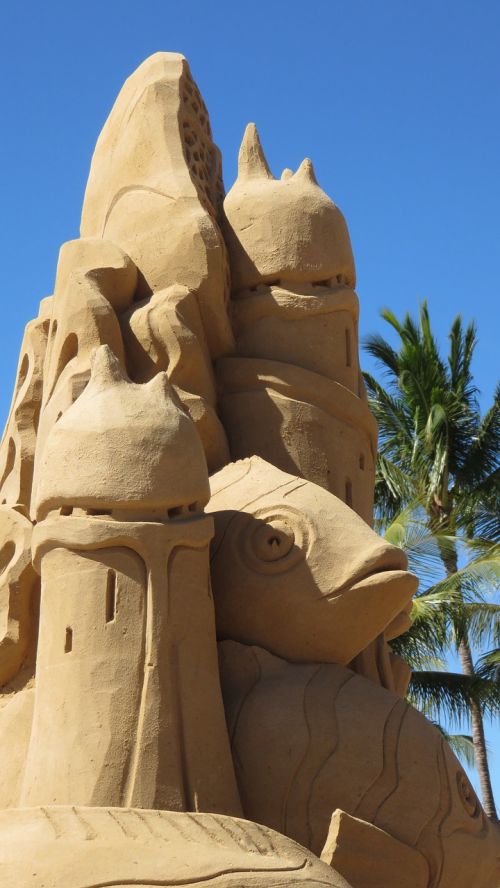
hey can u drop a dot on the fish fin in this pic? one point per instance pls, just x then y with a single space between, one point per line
368 857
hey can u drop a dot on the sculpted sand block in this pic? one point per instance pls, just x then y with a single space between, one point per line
294 394
313 739
296 571
195 614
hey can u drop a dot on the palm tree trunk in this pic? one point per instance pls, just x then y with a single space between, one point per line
450 562
478 738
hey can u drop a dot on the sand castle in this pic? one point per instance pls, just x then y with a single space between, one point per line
195 613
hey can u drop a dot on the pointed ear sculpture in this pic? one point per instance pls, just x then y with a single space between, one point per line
252 163
306 171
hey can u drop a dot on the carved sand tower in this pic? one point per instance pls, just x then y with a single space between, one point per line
294 394
195 624
126 664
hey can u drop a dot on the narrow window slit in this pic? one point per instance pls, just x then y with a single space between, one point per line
361 461
348 357
175 512
68 641
111 596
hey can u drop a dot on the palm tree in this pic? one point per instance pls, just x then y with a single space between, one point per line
439 605
437 449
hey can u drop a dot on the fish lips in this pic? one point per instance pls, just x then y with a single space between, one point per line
378 580
406 581
367 607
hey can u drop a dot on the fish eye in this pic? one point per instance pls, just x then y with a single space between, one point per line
467 795
273 540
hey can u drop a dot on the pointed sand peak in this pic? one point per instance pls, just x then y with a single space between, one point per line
286 174
161 384
306 171
106 369
252 163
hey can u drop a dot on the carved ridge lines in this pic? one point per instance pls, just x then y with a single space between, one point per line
242 703
436 861
382 769
330 754
148 824
134 753
201 822
201 879
58 833
395 765
294 775
125 190
376 794
241 508
248 837
113 815
90 832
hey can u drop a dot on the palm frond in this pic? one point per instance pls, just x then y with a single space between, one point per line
482 619
451 694
476 579
384 354
488 666
482 459
461 744
394 488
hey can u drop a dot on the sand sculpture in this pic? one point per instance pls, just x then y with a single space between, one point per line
195 614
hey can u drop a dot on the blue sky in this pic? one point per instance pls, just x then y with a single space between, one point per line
397 103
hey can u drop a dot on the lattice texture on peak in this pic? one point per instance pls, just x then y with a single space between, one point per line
202 156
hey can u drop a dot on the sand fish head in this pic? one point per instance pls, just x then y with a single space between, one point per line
296 571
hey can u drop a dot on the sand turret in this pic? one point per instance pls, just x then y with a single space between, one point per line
293 393
123 446
126 609
284 229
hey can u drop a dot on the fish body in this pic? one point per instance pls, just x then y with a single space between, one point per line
310 740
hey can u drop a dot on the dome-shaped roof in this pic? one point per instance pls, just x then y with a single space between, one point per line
122 445
284 229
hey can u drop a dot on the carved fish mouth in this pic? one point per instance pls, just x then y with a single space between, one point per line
377 580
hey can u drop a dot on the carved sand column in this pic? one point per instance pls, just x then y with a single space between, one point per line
128 709
294 394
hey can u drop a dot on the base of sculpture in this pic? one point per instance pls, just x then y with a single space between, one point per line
71 847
